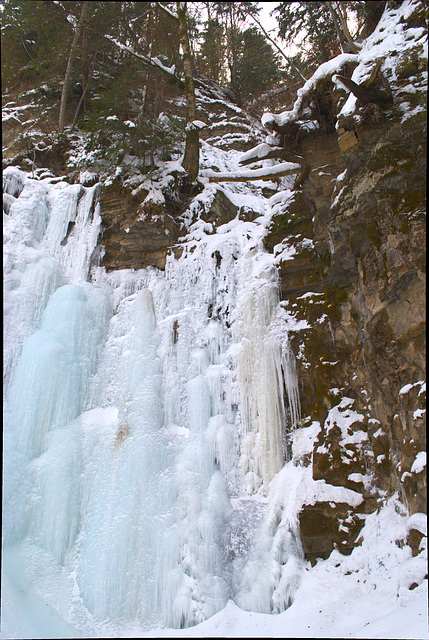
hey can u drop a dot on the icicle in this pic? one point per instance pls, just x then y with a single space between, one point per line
13 181
261 364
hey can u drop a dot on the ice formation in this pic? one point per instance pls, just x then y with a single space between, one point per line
146 413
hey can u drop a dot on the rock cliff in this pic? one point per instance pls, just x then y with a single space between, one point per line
360 283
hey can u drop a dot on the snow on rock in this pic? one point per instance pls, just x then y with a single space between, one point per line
418 521
13 181
407 387
342 416
390 36
419 463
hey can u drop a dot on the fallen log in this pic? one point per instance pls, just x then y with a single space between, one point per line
266 152
266 173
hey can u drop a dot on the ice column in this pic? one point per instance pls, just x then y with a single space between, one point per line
47 391
127 491
50 232
264 369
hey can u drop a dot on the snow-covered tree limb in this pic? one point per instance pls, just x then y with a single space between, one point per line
152 62
266 173
325 69
166 9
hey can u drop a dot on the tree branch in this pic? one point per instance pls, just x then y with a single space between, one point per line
266 173
288 60
341 28
167 10
152 62
343 19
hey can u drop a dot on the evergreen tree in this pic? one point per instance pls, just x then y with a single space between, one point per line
311 21
233 15
211 50
258 67
323 26
34 36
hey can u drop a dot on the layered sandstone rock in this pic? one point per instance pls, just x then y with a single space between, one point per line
362 205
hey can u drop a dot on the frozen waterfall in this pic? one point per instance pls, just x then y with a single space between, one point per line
146 413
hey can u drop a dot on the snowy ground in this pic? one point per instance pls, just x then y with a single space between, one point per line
364 595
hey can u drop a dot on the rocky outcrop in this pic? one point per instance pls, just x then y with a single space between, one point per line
136 234
360 283
142 224
139 232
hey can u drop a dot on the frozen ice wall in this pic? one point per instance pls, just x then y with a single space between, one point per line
145 415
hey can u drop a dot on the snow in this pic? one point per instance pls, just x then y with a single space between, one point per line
342 416
407 387
251 174
325 69
389 37
198 124
419 463
336 599
418 521
154 61
259 152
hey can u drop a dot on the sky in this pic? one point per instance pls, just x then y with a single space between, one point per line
268 21
270 25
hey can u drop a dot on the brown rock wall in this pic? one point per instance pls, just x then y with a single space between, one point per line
363 207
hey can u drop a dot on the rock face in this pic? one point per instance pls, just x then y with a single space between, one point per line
139 233
134 236
360 284
139 228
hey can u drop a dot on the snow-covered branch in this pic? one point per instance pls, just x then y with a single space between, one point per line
167 10
266 173
325 69
153 62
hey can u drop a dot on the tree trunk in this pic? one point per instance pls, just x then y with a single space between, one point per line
340 35
64 92
85 91
85 72
343 33
232 56
191 160
343 19
266 173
